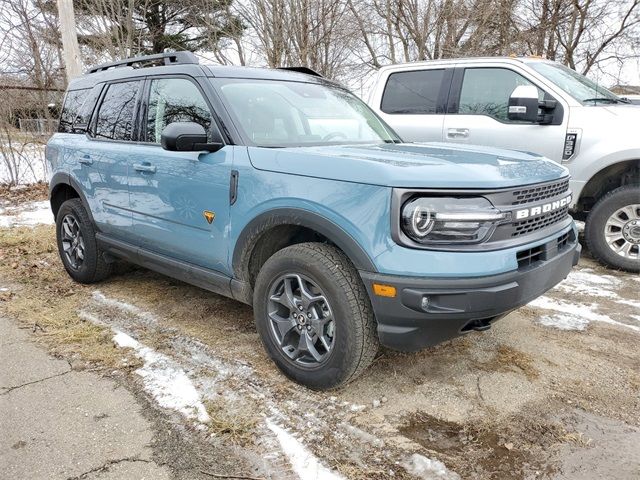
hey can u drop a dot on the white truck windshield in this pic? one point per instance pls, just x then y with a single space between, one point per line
578 86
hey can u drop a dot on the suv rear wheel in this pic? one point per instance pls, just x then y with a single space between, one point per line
613 229
77 246
314 316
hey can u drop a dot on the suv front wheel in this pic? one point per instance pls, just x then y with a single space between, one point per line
77 246
314 316
613 229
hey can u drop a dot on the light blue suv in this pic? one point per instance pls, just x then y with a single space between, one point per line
283 190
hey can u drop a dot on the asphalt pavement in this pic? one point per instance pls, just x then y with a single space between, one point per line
58 423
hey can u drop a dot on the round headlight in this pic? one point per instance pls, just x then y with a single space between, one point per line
422 221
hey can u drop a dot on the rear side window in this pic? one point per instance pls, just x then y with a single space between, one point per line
175 100
73 100
412 92
116 114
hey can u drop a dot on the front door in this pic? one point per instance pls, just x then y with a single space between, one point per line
179 200
478 114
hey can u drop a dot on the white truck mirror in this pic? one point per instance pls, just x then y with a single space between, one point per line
523 104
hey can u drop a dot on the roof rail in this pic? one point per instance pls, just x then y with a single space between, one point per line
168 58
306 70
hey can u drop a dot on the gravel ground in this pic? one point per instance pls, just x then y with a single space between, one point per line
551 391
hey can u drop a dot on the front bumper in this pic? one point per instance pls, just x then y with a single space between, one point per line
458 305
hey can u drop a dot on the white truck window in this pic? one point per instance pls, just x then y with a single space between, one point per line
412 92
486 91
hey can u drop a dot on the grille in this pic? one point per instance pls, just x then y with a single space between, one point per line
524 227
563 241
531 256
534 194
528 257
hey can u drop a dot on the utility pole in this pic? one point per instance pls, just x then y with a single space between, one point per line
70 48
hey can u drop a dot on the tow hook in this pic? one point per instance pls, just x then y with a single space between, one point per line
478 325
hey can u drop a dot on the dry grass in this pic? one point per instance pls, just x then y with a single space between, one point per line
509 359
15 196
235 423
46 300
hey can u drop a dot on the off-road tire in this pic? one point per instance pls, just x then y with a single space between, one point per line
356 340
93 268
595 227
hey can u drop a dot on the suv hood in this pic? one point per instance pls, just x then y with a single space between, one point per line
411 165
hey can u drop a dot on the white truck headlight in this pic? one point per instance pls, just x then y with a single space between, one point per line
446 220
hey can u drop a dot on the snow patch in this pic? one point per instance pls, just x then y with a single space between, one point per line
27 161
573 316
99 297
304 463
164 380
428 469
27 215
587 283
362 436
564 322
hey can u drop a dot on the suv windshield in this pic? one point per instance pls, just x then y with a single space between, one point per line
576 85
289 114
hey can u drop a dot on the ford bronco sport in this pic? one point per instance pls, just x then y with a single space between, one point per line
539 106
284 191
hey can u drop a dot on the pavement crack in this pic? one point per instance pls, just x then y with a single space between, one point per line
107 465
11 389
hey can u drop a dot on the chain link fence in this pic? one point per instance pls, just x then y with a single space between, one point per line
41 127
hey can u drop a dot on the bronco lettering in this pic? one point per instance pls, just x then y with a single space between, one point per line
545 208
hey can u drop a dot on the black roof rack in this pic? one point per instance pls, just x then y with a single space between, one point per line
306 70
169 58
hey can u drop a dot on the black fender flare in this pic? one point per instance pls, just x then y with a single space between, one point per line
62 178
298 217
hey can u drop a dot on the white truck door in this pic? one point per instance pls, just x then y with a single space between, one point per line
478 107
413 102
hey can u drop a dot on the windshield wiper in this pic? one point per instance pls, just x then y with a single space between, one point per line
601 99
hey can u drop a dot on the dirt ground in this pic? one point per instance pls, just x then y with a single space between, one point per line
551 391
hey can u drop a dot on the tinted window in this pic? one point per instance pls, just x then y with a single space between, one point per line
175 100
73 100
486 91
115 117
84 114
412 92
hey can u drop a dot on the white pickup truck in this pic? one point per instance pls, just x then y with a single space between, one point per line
537 106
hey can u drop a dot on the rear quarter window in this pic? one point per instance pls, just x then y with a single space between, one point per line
73 100
414 93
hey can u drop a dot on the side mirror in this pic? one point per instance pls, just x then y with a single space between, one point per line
523 104
187 137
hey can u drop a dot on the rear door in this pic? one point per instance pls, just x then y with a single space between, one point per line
106 154
173 193
413 102
477 112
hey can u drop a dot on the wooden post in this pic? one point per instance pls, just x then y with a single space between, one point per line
71 50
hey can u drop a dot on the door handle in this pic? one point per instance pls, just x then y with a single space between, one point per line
144 167
458 133
86 160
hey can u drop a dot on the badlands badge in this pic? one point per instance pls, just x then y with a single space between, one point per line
209 216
